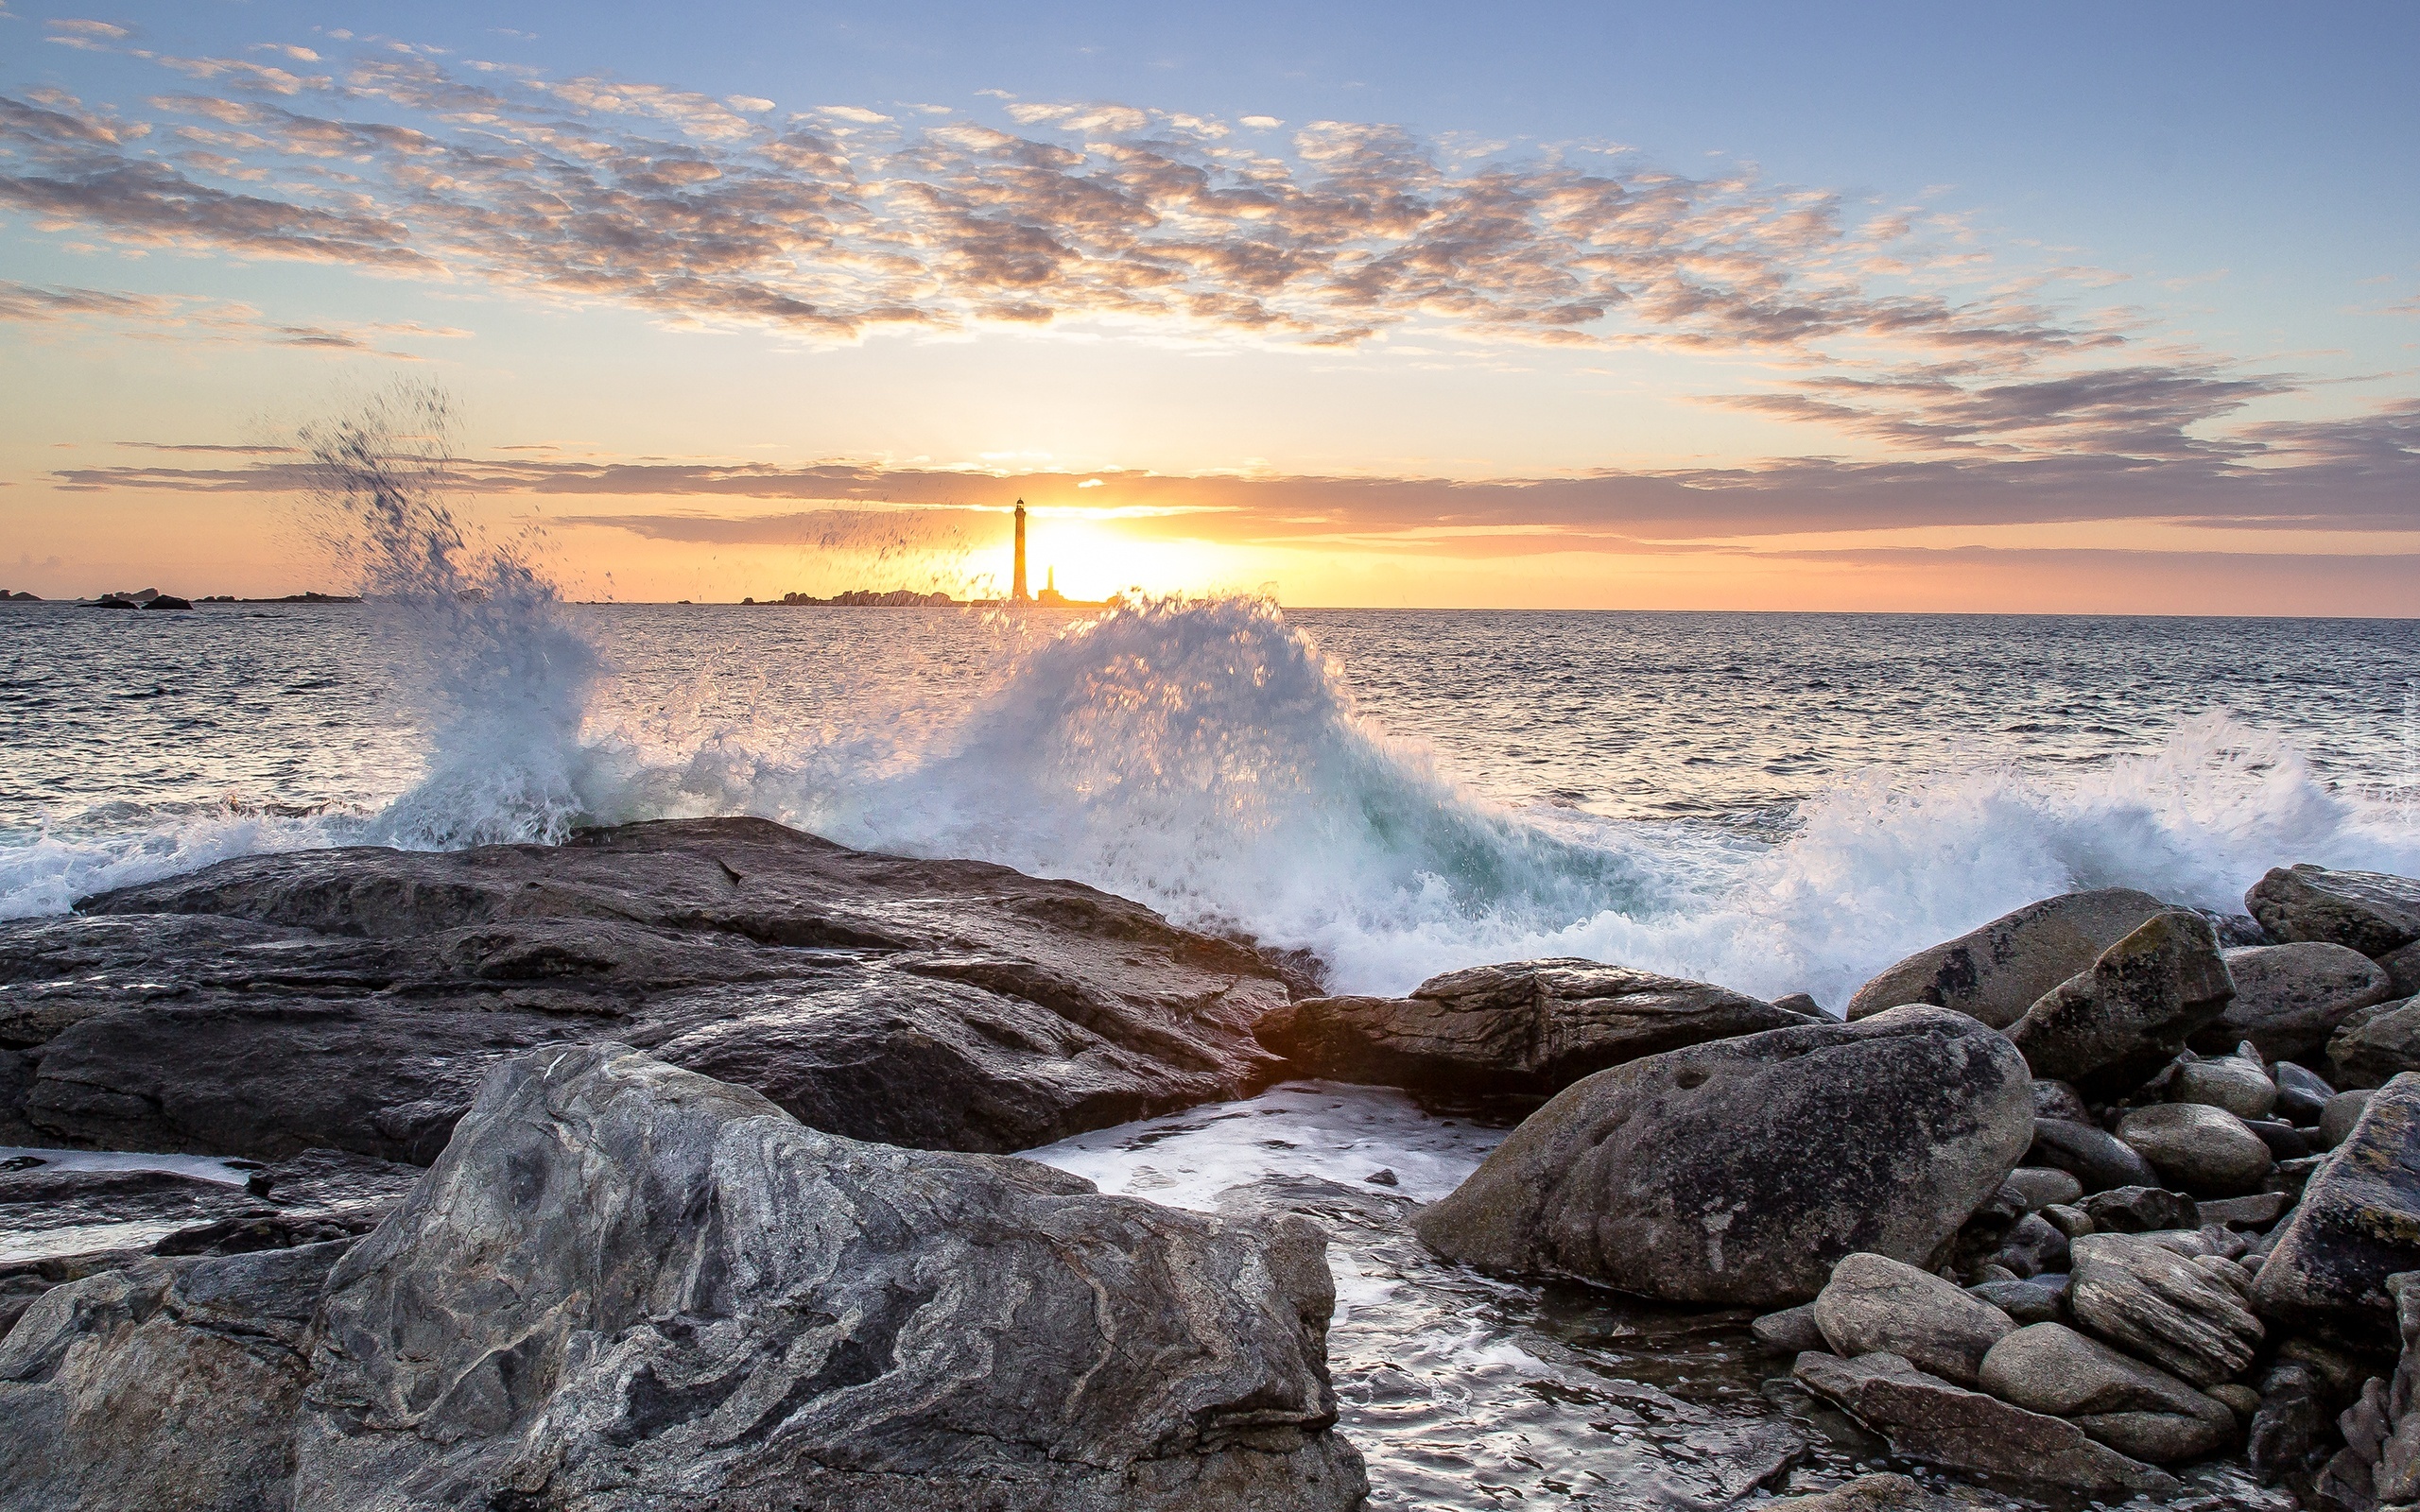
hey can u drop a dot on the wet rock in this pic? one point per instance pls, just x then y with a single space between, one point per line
1741 1171
2366 911
2376 1044
2290 998
2096 1158
627 1284
2141 1209
1792 1330
1867 1493
2227 1082
353 999
2205 1150
2120 1402
1528 1026
1928 1418
1996 972
2058 1100
2302 1093
1876 1305
170 1385
2044 1185
2358 1221
2038 1300
2111 1027
2187 1316
2343 1112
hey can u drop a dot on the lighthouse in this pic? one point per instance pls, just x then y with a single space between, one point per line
1017 593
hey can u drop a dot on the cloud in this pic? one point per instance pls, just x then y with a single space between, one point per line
2358 474
161 318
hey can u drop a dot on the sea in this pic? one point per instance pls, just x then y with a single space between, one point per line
1775 802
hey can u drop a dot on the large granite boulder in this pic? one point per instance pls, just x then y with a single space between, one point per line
355 998
172 1383
2365 911
1529 1027
1928 1418
2358 1222
625 1281
2376 1044
2108 1029
1741 1171
2290 998
1996 971
627 1285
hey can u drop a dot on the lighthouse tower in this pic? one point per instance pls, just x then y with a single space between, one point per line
1017 593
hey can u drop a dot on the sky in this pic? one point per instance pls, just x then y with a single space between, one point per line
2071 308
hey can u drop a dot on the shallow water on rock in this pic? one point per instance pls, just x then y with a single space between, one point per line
1466 1393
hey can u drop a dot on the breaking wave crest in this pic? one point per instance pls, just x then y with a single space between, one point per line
1205 757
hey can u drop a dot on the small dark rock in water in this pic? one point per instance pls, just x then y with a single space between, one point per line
1792 1331
1526 1026
2109 1028
1741 1171
1996 972
168 601
1380 1177
2367 911
21 1163
115 602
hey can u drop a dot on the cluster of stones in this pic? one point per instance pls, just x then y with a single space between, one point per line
665 1168
2065 1200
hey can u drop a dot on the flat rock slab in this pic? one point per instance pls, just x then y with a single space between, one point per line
2367 911
1927 1418
1741 1171
354 999
1524 1027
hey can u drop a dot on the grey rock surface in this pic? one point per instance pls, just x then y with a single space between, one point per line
1792 1330
355 998
1928 1418
2099 1160
173 1384
2367 911
2290 998
2036 1299
2302 1093
2045 1186
2206 1151
2059 1100
1525 1026
1995 972
2190 1316
1741 1171
2358 1221
1876 1305
2344 1110
2228 1082
2141 1209
627 1284
2376 1044
2108 1029
2050 1368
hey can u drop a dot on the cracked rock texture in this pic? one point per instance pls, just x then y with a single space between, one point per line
354 999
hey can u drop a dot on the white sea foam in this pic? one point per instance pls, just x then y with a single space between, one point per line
1205 757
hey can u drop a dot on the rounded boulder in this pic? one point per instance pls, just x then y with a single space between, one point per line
1739 1172
2204 1150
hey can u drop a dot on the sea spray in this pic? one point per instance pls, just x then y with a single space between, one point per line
480 652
